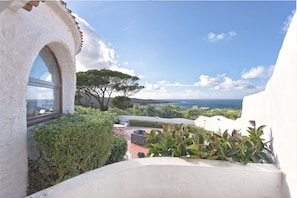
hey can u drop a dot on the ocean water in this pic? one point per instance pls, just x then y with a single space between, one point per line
207 103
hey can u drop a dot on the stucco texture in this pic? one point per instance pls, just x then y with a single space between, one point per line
274 107
22 35
172 177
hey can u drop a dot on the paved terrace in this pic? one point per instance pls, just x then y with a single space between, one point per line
171 177
133 149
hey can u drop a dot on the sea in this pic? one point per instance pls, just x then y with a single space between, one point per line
206 103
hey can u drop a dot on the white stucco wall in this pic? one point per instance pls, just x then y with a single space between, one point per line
217 123
126 118
22 35
172 177
276 108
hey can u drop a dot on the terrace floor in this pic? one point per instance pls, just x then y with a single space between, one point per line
133 149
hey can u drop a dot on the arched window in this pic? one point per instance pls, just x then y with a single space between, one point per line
44 88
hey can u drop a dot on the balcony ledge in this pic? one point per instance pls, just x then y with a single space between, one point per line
172 177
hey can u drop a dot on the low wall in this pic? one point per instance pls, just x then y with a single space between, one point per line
276 107
218 123
124 118
172 177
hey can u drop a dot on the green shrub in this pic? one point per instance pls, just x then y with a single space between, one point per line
196 129
173 111
122 102
69 146
151 124
143 123
141 155
228 113
118 149
177 141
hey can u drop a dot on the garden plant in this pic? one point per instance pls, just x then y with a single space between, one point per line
178 141
71 145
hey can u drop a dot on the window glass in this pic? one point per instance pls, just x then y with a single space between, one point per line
40 71
40 101
43 90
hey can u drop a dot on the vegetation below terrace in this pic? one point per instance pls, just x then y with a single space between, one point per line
194 142
75 144
72 145
174 111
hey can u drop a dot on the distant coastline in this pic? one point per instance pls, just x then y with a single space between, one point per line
184 103
148 101
189 103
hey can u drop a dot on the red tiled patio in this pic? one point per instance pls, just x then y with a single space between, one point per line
133 149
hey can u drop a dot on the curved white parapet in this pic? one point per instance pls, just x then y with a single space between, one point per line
126 118
172 177
218 123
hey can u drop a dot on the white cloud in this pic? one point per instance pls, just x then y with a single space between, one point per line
95 53
163 82
161 86
258 72
155 87
163 89
212 37
122 69
166 83
222 82
287 22
206 81
141 76
229 84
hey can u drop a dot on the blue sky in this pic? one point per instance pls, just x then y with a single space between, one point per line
185 49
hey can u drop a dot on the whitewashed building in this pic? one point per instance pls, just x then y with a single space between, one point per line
39 41
38 44
275 107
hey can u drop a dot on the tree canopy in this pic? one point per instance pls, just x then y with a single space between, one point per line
100 84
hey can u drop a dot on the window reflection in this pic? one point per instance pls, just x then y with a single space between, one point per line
39 101
40 71
43 90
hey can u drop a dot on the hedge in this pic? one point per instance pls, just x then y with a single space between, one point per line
118 150
152 124
143 123
69 146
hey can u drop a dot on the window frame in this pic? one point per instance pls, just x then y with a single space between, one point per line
50 85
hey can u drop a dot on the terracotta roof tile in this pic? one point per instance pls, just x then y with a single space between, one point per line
30 4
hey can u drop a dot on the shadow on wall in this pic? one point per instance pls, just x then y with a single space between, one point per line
271 147
285 187
274 157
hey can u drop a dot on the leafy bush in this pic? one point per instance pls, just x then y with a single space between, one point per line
228 113
195 129
193 113
151 124
69 146
117 111
143 123
177 141
118 149
169 111
122 102
174 111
